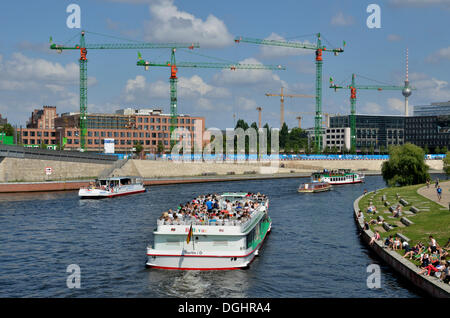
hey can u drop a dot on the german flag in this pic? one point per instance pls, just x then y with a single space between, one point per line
189 236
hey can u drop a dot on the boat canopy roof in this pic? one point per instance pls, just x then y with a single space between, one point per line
118 178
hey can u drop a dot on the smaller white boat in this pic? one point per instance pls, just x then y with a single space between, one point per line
314 187
112 187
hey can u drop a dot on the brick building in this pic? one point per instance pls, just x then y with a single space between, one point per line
147 126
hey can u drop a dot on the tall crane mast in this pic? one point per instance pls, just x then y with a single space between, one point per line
259 109
319 48
282 96
83 47
174 69
353 87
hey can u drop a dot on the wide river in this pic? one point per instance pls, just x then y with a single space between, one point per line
313 250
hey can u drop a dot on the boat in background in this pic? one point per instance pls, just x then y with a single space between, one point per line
112 187
336 177
314 187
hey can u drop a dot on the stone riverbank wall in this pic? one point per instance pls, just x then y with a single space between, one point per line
428 284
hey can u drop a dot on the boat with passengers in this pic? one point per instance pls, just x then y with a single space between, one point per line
211 232
112 187
336 177
314 187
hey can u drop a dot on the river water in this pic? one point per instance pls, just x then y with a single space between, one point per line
313 250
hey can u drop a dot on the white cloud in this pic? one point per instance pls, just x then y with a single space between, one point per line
279 51
169 24
428 88
246 104
369 108
28 83
442 54
342 20
396 104
140 91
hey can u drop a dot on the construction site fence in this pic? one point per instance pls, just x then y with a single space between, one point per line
281 157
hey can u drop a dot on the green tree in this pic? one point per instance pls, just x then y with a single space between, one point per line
426 150
284 136
138 148
371 150
444 149
437 150
8 129
406 166
382 150
447 163
160 148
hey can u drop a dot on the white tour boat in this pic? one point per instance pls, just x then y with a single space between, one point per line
227 236
112 187
341 176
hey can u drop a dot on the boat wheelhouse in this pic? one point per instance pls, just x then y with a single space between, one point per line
112 187
314 187
227 237
334 177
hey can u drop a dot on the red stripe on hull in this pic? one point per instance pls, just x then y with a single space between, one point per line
195 269
208 269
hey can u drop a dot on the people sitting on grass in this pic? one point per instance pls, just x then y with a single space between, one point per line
376 237
397 211
371 209
414 251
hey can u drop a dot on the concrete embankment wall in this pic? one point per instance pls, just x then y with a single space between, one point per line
430 285
161 169
33 170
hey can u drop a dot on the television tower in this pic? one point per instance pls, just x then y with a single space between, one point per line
406 90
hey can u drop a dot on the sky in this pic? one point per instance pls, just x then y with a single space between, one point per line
32 75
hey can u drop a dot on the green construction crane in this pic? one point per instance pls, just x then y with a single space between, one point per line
83 47
319 48
174 79
353 87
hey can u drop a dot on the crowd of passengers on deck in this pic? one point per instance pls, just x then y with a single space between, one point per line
211 209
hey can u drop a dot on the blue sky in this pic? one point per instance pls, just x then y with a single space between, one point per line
31 75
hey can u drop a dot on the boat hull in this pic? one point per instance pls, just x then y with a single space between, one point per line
202 261
101 194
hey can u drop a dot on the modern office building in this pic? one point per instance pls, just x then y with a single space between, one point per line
434 109
374 131
126 127
338 138
429 131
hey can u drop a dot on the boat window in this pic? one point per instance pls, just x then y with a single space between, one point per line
250 238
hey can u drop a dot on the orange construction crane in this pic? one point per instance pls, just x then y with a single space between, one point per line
282 96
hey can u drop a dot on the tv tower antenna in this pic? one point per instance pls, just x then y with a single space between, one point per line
406 90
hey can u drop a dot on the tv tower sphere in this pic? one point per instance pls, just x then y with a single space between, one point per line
406 90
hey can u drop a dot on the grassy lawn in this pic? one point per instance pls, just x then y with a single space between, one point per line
431 220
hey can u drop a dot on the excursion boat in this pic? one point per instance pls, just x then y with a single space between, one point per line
204 242
314 187
341 176
112 187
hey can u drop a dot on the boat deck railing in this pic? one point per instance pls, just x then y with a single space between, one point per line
213 222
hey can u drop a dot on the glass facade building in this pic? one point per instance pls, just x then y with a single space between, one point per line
434 109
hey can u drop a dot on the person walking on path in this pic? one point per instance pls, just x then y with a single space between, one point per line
437 183
439 193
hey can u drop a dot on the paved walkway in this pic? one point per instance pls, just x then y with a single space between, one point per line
431 193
